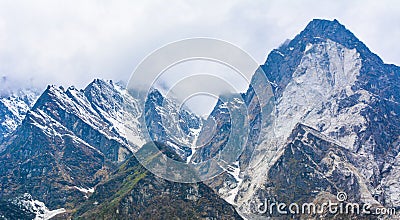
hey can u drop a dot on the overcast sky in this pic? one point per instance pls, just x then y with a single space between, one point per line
73 42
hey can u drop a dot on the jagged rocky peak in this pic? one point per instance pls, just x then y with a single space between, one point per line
330 81
72 138
101 86
111 97
52 91
96 117
171 123
282 62
375 76
325 29
320 30
13 107
325 77
154 98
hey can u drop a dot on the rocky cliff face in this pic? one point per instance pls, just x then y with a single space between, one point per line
13 107
67 141
330 81
313 168
72 140
25 207
132 192
166 122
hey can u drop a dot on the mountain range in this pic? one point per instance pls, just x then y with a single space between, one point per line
332 127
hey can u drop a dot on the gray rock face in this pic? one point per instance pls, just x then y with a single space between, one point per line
313 169
13 107
71 140
132 192
167 123
25 207
67 141
328 80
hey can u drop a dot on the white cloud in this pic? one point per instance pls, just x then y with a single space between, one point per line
72 42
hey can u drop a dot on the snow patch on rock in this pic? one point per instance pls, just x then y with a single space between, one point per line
37 207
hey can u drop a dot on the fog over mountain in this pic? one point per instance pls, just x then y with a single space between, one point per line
72 43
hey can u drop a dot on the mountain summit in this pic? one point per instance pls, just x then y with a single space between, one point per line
282 62
327 81
333 30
